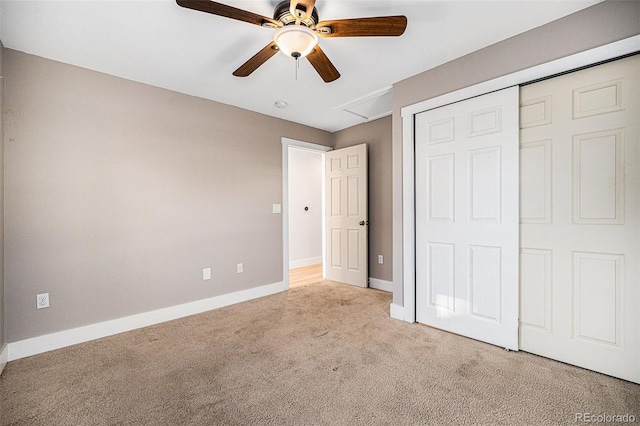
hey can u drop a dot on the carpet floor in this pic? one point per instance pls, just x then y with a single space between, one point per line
320 354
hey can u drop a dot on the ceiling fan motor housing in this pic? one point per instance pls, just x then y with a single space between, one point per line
281 13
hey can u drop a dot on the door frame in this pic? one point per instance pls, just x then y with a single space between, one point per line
407 312
321 149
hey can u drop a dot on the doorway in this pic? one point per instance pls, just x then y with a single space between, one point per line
303 253
343 209
305 208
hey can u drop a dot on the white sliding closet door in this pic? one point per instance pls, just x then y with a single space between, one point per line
467 217
580 214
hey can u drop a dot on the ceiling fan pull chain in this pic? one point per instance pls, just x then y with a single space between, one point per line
297 68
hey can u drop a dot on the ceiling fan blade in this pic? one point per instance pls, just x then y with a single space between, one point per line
364 27
301 9
323 65
258 59
227 12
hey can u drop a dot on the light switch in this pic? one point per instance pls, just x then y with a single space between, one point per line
277 208
206 274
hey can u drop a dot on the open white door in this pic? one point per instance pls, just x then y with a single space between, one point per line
347 215
467 217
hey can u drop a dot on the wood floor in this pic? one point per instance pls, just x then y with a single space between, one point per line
305 276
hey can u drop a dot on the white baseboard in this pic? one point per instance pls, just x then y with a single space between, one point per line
49 342
293 264
396 312
4 357
381 285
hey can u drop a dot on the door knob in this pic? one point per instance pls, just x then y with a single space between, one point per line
363 223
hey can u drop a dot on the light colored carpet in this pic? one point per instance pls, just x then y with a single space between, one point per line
324 353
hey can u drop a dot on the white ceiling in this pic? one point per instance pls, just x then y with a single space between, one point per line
159 43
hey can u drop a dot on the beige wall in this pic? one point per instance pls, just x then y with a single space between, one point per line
119 193
592 27
377 135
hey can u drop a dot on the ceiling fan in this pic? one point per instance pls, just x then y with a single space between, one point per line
297 30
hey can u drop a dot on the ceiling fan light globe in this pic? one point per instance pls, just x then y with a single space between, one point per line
295 41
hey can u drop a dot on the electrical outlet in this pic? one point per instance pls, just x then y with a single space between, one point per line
206 274
42 300
240 268
380 259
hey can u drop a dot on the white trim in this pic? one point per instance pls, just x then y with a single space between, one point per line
4 357
378 93
408 221
588 57
372 118
396 312
49 342
381 285
286 143
293 264
367 97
